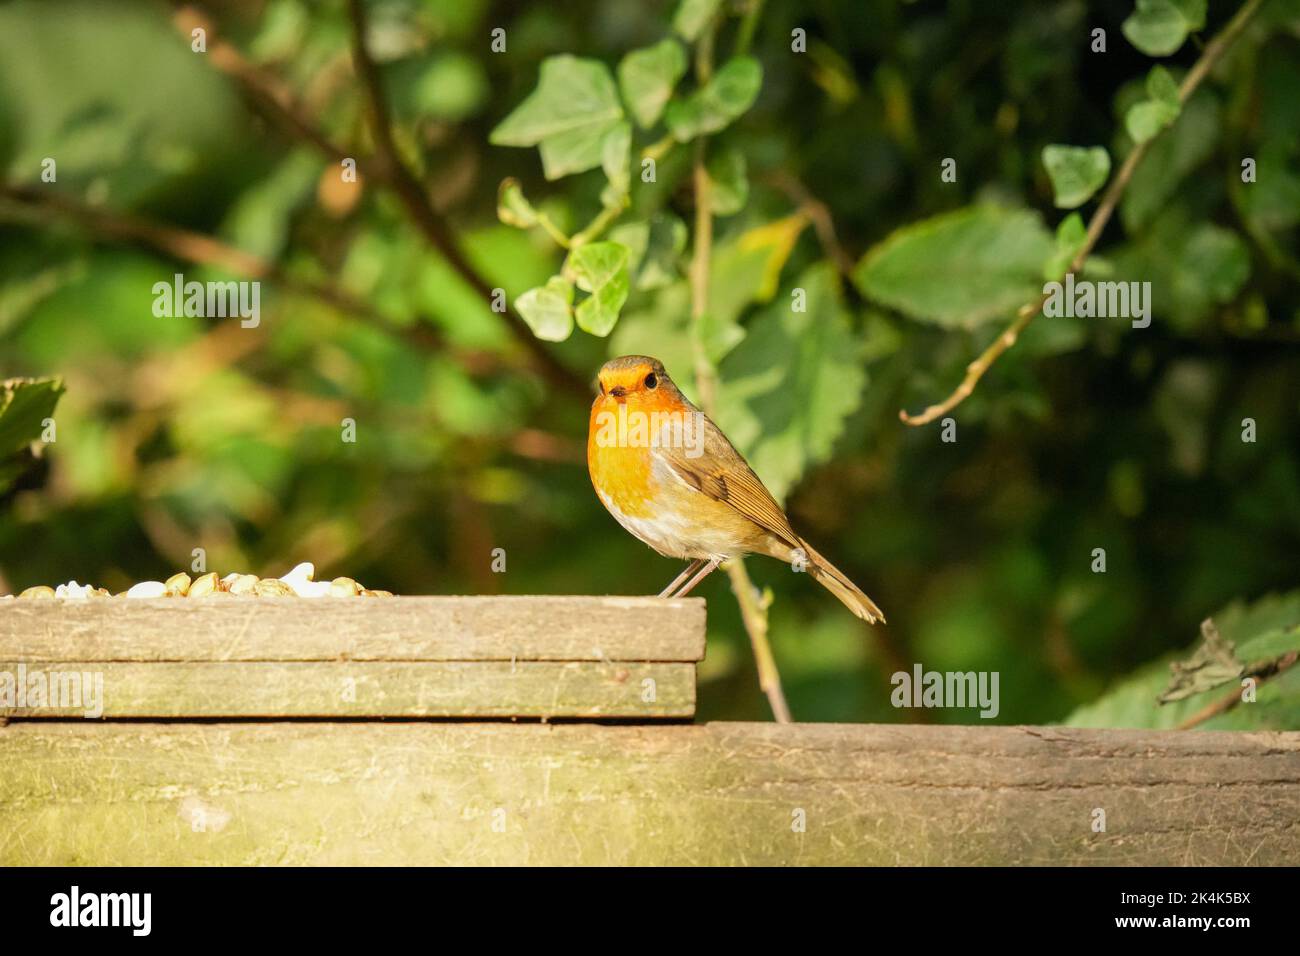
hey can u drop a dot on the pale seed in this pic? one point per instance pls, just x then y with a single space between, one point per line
178 584
204 586
270 587
244 584
344 587
39 591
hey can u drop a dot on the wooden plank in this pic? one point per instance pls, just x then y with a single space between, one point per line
427 793
363 689
496 628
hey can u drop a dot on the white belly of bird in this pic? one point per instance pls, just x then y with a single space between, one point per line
674 531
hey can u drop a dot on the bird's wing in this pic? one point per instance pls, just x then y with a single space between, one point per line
722 474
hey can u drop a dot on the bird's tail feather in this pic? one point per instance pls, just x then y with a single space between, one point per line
835 581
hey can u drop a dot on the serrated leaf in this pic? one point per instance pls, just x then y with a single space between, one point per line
1076 172
1159 27
729 181
692 16
1262 631
730 92
748 268
548 309
513 208
960 269
601 269
647 78
787 390
567 117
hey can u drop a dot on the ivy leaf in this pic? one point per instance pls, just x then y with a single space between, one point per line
1170 159
513 208
693 16
789 387
568 116
615 152
1147 118
960 269
730 92
654 249
729 179
600 268
1076 172
1070 237
548 309
647 77
1159 27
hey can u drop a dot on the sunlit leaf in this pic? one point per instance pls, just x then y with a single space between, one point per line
789 386
730 92
600 268
647 77
568 116
548 309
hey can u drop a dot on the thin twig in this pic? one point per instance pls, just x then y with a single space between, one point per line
1261 673
279 107
183 244
753 611
403 181
1025 314
817 212
39 204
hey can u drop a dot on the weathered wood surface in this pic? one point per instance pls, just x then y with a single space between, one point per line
276 689
497 628
427 793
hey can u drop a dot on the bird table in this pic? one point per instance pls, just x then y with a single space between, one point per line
549 730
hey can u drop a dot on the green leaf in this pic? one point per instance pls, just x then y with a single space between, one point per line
1070 237
513 208
615 153
647 77
1159 27
548 309
1148 117
693 16
1262 631
600 268
729 180
789 387
748 268
568 116
654 249
1169 160
730 92
960 269
25 403
1076 172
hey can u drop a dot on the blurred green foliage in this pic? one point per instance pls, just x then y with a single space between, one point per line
177 433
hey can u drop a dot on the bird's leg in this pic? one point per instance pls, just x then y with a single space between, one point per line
703 573
690 569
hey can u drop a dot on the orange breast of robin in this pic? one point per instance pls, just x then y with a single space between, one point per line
621 472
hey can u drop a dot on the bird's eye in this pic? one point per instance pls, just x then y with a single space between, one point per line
651 381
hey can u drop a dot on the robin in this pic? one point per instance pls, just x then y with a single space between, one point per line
670 476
